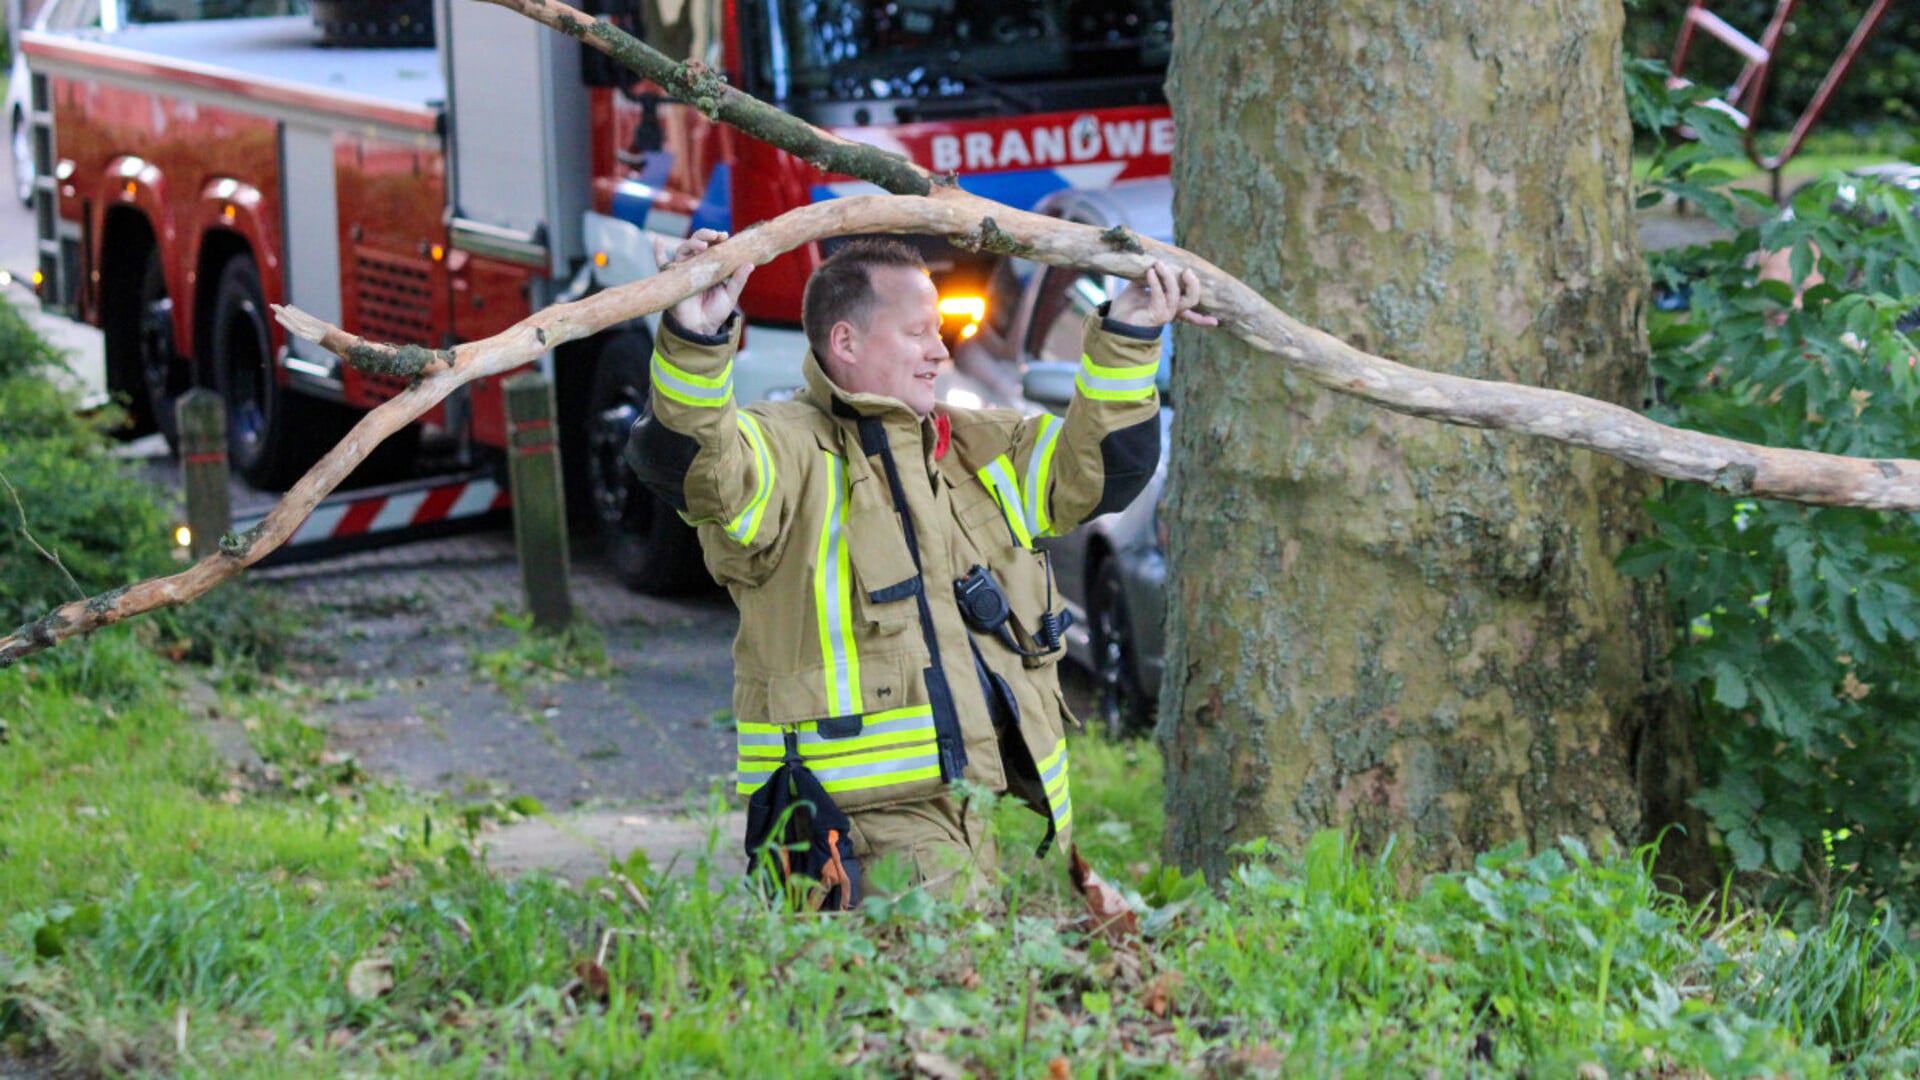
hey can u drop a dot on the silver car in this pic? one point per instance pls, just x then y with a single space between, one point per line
1111 570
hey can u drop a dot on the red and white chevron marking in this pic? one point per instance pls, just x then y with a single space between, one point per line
387 513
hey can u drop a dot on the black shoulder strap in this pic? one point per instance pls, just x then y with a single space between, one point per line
946 718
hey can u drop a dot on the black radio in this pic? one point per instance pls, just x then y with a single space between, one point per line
983 604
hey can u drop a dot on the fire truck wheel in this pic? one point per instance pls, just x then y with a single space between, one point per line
142 367
270 430
645 542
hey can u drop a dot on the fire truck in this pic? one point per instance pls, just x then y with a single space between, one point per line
433 172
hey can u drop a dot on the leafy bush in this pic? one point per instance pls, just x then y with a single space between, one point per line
76 522
68 497
1797 625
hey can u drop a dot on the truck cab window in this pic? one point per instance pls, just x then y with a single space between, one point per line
856 50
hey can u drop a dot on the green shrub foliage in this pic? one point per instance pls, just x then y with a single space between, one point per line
1797 625
79 522
91 512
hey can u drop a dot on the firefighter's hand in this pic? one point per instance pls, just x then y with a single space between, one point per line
1159 297
704 312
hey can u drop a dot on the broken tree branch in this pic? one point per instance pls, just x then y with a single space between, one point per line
939 209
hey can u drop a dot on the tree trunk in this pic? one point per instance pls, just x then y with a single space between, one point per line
1393 627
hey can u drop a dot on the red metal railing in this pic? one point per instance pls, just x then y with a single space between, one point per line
1743 99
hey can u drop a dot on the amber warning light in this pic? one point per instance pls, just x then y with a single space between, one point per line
962 314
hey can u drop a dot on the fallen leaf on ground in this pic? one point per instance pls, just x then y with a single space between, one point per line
593 979
1111 914
1159 993
938 1066
369 977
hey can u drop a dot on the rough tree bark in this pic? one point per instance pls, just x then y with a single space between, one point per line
1400 628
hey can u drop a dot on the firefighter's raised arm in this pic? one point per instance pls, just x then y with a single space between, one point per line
692 446
1102 454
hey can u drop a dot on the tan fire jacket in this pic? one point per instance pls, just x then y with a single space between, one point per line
840 530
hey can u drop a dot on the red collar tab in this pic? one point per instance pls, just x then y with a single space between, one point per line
943 434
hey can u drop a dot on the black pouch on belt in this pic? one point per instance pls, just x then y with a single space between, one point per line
794 828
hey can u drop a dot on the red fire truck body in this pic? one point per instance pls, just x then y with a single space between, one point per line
195 172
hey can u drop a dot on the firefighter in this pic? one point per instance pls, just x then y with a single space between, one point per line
899 629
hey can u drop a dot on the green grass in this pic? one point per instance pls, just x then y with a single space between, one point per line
164 915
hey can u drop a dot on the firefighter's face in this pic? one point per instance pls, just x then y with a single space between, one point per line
899 352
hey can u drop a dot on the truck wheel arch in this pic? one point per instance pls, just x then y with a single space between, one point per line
127 244
225 222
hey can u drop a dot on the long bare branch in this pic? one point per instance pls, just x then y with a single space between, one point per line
929 207
1735 466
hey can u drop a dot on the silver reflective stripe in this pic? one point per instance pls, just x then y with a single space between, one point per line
1038 468
743 527
671 378
1010 490
1059 766
830 775
773 740
831 580
1116 386
893 730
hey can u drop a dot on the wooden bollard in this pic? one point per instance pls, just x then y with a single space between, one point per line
202 416
539 504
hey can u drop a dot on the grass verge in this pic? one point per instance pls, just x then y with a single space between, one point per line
168 914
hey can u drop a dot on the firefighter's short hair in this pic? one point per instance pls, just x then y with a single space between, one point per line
842 289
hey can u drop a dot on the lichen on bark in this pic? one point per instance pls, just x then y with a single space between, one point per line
399 361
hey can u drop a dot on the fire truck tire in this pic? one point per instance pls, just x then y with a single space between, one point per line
273 434
143 368
645 543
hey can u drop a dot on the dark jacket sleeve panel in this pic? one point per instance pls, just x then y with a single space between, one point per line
661 457
1100 457
1128 458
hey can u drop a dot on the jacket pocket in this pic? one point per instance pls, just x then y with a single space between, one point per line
885 581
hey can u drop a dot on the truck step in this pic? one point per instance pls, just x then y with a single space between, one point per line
394 514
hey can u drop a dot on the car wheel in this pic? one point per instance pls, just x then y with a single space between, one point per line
23 172
273 434
646 544
1123 706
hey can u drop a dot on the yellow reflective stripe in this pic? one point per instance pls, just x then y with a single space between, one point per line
833 600
856 773
1038 468
743 527
1053 777
1116 383
895 747
699 391
895 727
998 478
